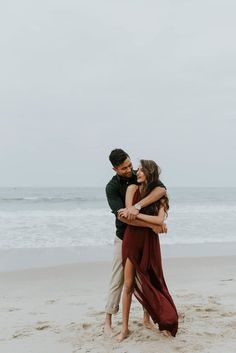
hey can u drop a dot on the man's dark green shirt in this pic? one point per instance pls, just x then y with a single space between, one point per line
115 192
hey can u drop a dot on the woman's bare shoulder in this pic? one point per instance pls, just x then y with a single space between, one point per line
132 187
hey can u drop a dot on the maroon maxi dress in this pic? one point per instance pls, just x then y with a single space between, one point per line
142 247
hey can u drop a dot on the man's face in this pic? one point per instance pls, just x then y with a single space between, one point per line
124 169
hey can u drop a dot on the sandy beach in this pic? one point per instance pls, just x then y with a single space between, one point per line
97 98
61 309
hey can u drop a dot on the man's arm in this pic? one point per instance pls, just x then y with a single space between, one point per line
138 223
115 202
114 199
155 194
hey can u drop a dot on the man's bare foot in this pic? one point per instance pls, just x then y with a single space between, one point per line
122 336
149 325
108 325
108 330
166 333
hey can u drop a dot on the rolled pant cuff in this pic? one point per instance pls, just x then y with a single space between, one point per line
111 311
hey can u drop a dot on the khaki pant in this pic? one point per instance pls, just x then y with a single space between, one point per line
117 279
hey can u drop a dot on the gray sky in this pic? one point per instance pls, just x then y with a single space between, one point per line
79 78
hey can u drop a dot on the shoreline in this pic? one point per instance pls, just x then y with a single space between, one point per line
27 258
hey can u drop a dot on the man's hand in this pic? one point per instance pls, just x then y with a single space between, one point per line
129 213
122 213
160 229
132 213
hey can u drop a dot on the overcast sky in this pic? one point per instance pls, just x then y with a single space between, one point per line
79 78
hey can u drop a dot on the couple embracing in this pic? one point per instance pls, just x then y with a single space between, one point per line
140 203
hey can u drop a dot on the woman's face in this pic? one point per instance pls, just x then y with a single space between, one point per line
141 178
125 169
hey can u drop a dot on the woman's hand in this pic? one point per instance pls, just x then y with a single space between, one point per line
160 229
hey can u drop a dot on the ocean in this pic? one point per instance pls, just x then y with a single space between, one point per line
68 217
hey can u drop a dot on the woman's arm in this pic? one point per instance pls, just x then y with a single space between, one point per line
130 195
158 219
123 212
138 223
156 194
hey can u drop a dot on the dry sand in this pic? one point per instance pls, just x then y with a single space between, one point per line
60 309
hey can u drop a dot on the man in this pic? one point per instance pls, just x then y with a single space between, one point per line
115 192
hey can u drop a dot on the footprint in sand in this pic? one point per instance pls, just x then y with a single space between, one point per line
229 314
135 322
213 300
186 296
42 325
232 325
85 326
179 348
73 326
75 304
181 317
51 301
35 314
80 303
208 310
139 324
21 334
96 314
72 323
76 327
211 310
10 309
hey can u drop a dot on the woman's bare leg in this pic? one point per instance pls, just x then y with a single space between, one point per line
129 273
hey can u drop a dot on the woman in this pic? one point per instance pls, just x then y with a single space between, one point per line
142 257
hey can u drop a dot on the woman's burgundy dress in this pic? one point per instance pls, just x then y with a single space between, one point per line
142 247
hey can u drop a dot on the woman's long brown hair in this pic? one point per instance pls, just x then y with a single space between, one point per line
152 171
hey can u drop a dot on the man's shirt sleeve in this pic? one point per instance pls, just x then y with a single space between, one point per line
114 199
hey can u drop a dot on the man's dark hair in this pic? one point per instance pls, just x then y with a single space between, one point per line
117 157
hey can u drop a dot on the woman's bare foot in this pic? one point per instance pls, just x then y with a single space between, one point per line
122 336
147 321
166 333
149 325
